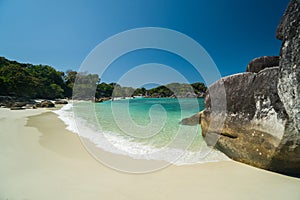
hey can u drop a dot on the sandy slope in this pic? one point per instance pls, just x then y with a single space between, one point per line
40 160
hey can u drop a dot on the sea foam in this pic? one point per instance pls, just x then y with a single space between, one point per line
114 143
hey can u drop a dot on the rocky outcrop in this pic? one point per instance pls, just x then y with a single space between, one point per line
20 103
100 100
262 123
15 102
289 79
261 63
7 101
289 85
255 118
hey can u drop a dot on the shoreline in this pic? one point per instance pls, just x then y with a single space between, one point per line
40 159
93 140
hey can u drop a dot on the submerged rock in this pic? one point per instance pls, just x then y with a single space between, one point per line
191 121
262 123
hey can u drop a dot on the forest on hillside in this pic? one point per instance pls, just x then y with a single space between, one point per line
45 82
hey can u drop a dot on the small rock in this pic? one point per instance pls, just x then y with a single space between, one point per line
29 106
19 104
61 102
17 108
45 104
100 100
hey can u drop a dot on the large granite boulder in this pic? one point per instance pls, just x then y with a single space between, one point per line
289 79
262 123
289 85
255 118
261 63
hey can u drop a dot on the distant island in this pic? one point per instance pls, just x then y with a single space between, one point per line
23 81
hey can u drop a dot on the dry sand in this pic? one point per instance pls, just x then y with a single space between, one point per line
41 160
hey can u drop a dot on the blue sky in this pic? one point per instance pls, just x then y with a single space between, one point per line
62 33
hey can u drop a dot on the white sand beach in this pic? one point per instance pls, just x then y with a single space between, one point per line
41 160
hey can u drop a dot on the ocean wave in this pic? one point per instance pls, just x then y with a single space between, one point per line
118 144
67 116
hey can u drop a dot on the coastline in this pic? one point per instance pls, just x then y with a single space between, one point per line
40 159
110 141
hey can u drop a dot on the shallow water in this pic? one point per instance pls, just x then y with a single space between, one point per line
145 128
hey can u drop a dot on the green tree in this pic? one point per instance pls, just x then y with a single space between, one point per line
104 90
44 78
69 78
199 87
85 86
15 81
140 92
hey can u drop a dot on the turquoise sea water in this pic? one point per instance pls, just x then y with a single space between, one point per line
142 127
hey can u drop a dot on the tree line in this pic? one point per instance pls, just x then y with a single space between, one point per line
45 82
